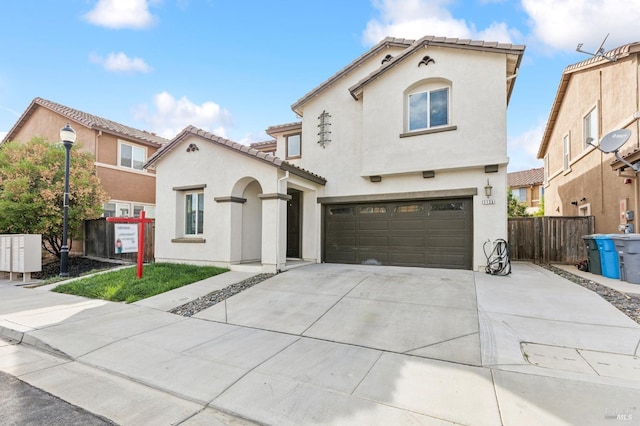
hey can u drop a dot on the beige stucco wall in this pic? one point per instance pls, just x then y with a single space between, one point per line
613 88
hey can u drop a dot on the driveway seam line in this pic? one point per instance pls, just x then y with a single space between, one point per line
495 393
332 306
563 321
373 364
440 342
252 370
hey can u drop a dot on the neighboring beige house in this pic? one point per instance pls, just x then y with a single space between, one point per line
120 152
595 97
390 165
526 186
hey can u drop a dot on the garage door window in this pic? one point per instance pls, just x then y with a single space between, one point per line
373 210
341 211
439 207
410 208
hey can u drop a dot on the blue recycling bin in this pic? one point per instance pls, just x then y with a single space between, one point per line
608 255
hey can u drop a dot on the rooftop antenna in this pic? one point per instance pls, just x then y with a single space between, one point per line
599 52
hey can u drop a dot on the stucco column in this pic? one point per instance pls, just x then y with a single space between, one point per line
274 231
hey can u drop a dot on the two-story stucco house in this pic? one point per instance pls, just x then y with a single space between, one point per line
120 152
594 97
391 164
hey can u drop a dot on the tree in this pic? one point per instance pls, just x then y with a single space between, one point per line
514 207
540 211
32 191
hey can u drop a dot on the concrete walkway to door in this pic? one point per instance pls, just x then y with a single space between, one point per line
340 344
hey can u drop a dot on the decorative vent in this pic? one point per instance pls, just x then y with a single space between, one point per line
386 59
192 147
324 135
426 61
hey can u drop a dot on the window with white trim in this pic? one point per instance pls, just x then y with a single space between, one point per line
294 147
566 143
428 109
590 128
131 156
194 213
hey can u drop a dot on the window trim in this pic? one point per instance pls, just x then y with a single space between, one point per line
133 149
429 91
566 152
286 146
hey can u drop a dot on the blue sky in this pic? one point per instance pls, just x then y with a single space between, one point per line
235 67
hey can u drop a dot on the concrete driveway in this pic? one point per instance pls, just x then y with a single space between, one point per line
340 344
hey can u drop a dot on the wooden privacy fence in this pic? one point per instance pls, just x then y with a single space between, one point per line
549 239
99 241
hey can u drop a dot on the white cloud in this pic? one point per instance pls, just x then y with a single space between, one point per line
562 24
523 149
2 135
168 115
119 62
417 18
121 14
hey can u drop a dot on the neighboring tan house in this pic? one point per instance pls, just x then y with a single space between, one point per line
120 152
595 97
526 186
390 165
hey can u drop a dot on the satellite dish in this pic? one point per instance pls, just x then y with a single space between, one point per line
613 141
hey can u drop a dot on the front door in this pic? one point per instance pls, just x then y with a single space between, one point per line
293 224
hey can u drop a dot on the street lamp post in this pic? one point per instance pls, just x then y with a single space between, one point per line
68 137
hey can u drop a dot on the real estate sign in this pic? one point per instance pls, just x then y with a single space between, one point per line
126 236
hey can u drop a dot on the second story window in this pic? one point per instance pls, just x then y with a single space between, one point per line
566 142
520 194
294 148
429 109
131 156
590 128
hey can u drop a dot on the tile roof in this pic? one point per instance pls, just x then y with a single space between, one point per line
89 120
617 53
239 148
525 177
283 128
385 43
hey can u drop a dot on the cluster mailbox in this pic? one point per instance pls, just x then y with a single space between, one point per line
20 254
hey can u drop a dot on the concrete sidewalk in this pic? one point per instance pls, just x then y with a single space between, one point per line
337 344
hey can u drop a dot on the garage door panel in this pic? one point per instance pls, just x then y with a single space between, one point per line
373 241
417 242
430 233
373 225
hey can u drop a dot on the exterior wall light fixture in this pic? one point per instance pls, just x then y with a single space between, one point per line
487 189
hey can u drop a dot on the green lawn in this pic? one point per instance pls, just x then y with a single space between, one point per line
124 286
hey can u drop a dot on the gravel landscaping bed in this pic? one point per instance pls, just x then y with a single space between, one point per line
204 302
629 304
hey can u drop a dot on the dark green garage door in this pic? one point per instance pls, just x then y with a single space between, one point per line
433 233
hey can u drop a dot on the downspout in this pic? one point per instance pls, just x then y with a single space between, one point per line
278 242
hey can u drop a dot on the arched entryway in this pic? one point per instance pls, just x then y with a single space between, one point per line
246 222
